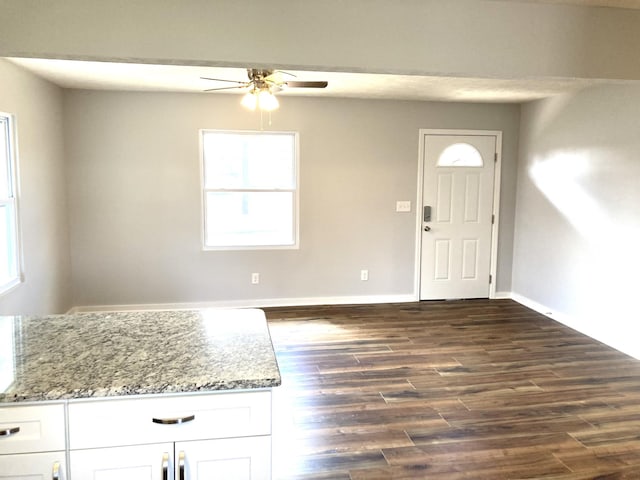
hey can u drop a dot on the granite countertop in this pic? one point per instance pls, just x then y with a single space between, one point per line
131 353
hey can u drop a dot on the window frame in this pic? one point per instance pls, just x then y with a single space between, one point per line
12 199
295 191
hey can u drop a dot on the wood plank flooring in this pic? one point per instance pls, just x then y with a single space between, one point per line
480 389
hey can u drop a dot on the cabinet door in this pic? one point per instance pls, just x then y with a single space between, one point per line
140 462
33 466
247 458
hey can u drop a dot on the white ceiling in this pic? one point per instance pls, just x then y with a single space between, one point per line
172 78
177 78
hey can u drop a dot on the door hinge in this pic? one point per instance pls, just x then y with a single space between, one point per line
495 157
490 279
493 219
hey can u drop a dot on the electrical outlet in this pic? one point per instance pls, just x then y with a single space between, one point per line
364 275
255 278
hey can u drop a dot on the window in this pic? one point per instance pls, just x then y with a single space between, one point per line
9 252
460 155
250 189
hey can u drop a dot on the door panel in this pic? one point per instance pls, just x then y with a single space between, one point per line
442 259
472 199
469 259
444 202
456 242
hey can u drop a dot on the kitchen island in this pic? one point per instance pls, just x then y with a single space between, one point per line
152 394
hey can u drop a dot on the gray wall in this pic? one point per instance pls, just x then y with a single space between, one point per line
578 227
134 190
37 106
485 38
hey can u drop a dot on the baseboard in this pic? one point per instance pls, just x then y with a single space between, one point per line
591 331
250 303
559 317
502 295
533 305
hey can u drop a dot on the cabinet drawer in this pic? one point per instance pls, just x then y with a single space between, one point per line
130 421
41 429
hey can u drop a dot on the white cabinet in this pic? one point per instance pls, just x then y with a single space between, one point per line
157 437
247 458
136 462
184 437
32 442
33 466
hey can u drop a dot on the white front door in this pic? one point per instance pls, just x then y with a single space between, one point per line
458 183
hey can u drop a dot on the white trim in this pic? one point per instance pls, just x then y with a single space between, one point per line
533 305
503 295
419 202
497 174
295 191
574 323
495 233
250 303
14 200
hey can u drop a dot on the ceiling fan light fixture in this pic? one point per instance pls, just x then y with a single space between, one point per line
250 100
261 85
267 101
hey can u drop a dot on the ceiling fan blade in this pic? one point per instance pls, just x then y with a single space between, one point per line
224 88
296 84
223 80
277 77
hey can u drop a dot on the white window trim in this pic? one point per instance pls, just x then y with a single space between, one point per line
13 164
296 195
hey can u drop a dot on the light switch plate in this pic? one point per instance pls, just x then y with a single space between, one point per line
403 206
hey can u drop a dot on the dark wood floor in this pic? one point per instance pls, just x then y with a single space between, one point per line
449 390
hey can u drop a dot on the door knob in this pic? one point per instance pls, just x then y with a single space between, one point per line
427 228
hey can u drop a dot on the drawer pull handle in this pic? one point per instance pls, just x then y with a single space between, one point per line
55 475
9 431
165 466
181 466
173 421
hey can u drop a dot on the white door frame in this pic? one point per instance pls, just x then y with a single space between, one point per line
496 202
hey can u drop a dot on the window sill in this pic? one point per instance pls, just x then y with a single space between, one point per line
10 285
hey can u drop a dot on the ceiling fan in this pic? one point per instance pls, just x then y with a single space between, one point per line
262 85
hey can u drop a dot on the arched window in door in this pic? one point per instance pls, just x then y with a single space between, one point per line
460 155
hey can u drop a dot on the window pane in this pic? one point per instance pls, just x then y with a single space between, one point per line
460 155
8 266
249 218
9 273
5 175
246 160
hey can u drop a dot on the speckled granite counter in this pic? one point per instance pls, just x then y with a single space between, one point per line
131 353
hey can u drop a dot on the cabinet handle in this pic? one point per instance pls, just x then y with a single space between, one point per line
173 421
181 466
165 466
55 474
9 431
